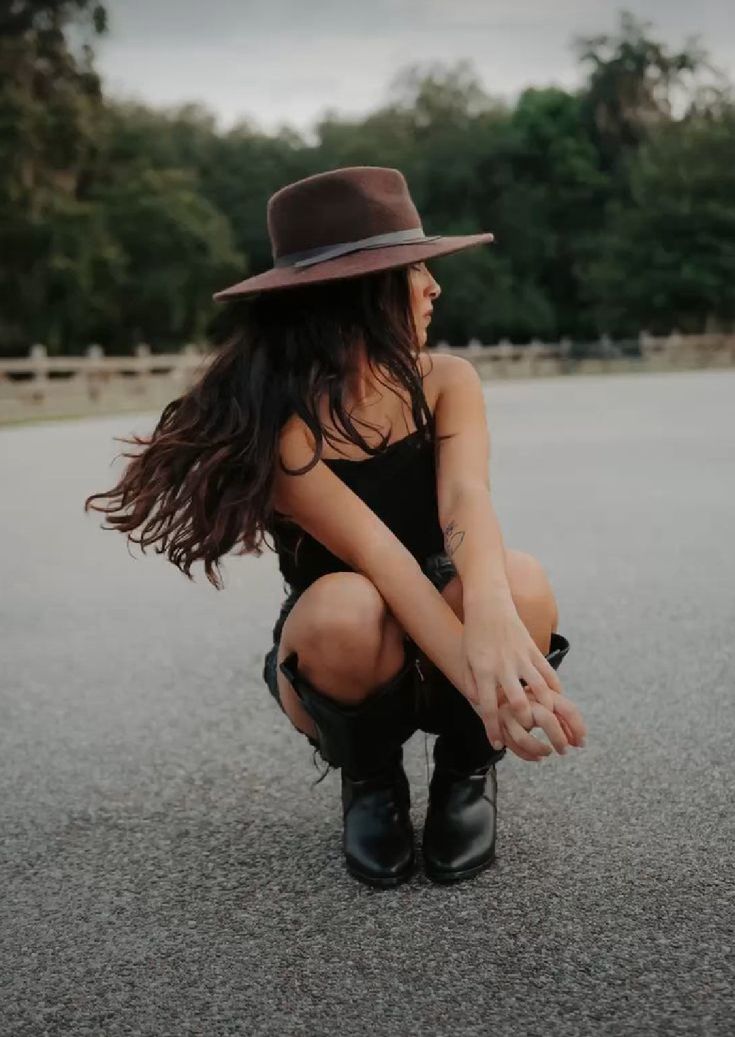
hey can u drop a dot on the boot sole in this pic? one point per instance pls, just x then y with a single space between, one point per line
381 882
446 878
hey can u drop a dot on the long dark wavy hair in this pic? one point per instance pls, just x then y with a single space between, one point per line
204 481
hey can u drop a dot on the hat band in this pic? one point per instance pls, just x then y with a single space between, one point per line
325 252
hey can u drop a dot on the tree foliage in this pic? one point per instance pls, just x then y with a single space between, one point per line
668 258
613 205
633 80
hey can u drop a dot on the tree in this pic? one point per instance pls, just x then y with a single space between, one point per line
632 82
178 249
50 107
548 205
610 204
667 259
247 167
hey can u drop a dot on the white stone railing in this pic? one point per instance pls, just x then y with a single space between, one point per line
42 386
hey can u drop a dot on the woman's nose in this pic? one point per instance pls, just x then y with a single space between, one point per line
434 289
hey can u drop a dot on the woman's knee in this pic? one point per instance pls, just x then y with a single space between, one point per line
528 580
533 596
346 639
344 616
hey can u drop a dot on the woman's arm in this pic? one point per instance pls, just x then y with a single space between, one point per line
472 534
474 541
499 652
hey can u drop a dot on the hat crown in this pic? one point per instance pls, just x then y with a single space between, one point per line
338 206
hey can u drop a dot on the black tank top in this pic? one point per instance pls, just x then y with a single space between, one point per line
399 485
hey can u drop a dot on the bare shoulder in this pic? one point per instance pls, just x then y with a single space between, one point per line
295 441
461 404
449 365
449 371
437 369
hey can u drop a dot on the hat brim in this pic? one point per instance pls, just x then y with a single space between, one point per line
354 264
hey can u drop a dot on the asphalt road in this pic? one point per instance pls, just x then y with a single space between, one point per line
166 867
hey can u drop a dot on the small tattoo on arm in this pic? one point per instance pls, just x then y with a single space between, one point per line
453 537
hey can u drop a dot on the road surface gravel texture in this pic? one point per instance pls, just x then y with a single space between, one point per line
167 868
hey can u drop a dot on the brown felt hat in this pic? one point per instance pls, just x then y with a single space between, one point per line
344 223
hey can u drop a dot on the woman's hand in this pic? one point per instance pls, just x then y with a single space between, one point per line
564 718
500 656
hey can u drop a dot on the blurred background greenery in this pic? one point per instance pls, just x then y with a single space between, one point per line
613 204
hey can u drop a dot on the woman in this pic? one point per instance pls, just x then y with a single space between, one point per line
404 611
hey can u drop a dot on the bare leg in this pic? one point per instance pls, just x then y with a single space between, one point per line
348 643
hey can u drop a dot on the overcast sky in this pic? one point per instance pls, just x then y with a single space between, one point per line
287 61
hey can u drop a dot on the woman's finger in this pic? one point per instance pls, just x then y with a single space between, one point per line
525 741
496 741
549 674
554 731
571 738
536 683
565 709
516 698
513 746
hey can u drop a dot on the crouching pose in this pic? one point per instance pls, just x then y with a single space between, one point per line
324 422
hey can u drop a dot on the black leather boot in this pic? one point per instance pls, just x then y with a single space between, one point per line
366 743
459 831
